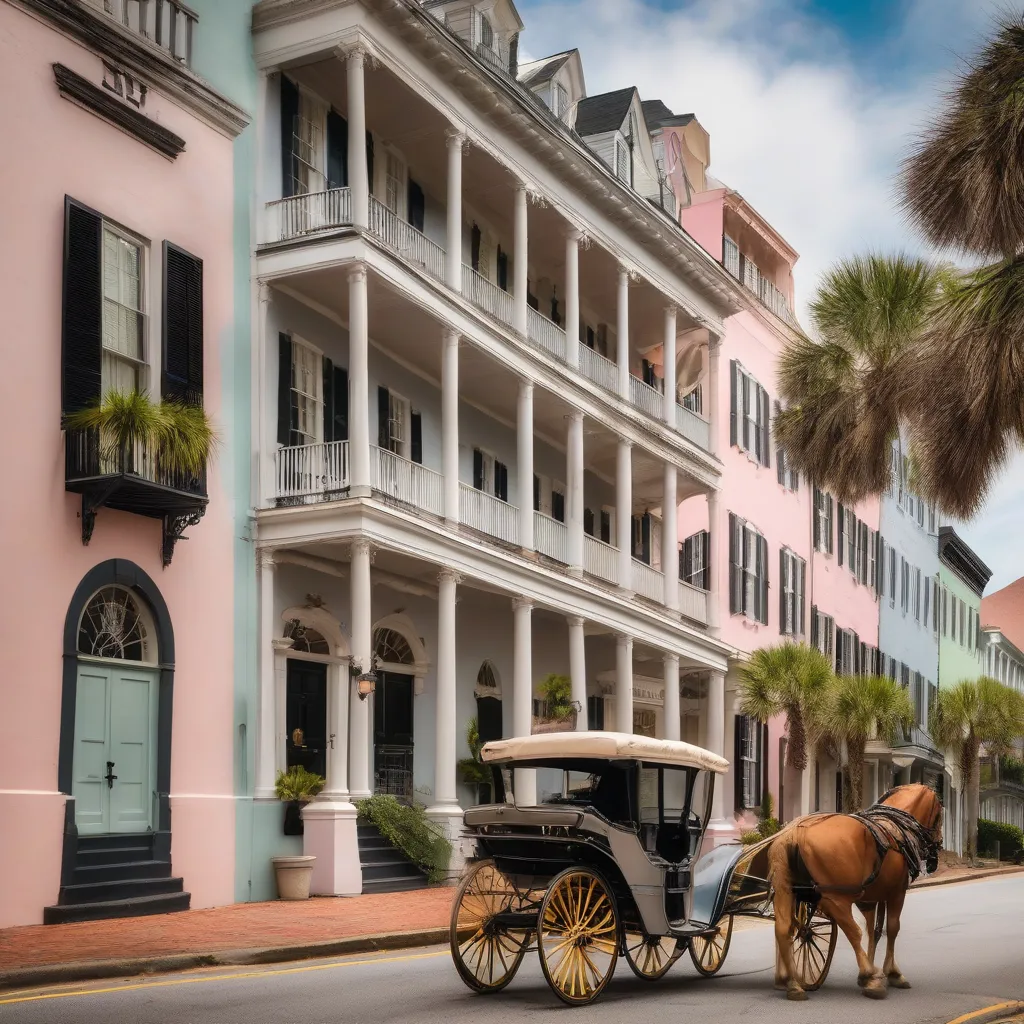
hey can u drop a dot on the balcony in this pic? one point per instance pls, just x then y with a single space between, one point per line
600 559
551 537
597 368
311 473
488 296
412 245
309 213
545 333
131 480
693 603
407 482
693 427
646 398
748 274
169 24
487 514
648 582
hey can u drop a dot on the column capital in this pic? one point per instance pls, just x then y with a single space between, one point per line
451 336
625 442
669 658
362 547
574 235
525 387
519 603
449 576
671 309
264 292
576 416
623 640
457 138
356 54
357 272
577 621
265 558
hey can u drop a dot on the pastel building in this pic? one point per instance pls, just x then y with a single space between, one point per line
116 769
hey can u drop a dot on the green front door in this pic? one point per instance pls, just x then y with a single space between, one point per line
115 743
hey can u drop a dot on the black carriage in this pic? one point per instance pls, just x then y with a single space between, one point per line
593 851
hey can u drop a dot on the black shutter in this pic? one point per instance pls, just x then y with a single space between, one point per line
328 410
705 539
502 270
417 206
478 469
337 150
766 452
416 441
595 713
645 538
733 411
183 326
748 442
840 533
782 591
819 501
340 403
383 417
82 318
369 160
686 558
762 753
558 506
474 248
289 112
735 575
501 481
588 522
814 626
762 571
829 527
536 493
489 719
556 317
738 735
606 526
284 390
802 606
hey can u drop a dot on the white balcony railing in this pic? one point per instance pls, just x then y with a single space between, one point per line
487 295
545 333
648 582
407 481
311 472
488 514
646 398
693 427
550 537
597 368
693 603
412 245
167 23
313 211
600 559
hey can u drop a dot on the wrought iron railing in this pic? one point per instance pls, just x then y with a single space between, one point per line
392 772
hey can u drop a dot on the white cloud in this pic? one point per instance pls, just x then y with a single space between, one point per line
809 135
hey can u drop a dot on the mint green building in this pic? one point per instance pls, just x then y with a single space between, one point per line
963 577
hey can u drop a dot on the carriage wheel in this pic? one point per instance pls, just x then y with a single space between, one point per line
650 956
486 954
578 935
813 945
708 952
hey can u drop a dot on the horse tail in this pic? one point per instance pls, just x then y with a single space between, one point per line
879 922
783 858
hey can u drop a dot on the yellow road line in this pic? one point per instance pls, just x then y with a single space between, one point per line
1014 1006
221 977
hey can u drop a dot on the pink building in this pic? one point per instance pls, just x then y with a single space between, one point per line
116 274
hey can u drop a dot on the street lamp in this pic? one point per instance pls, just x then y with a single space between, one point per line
366 682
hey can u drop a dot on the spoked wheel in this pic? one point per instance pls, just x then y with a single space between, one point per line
813 945
650 956
578 936
708 952
486 953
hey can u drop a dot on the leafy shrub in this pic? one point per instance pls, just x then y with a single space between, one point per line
768 827
751 837
472 770
1011 769
298 784
411 831
1009 837
556 692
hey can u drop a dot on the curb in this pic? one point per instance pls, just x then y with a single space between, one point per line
90 970
992 1014
980 876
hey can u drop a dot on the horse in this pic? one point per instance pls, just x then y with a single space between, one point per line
834 861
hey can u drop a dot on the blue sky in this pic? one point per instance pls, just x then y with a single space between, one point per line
811 105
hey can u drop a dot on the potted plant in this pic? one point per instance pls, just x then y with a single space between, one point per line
296 787
472 771
560 708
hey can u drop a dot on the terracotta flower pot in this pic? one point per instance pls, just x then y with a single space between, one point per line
293 876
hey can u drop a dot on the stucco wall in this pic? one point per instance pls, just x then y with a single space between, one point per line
188 201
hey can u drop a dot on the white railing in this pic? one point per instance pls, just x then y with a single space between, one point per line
693 603
168 23
550 537
648 582
597 368
488 514
488 296
545 333
694 400
646 398
413 245
407 481
746 272
313 211
313 472
693 427
600 559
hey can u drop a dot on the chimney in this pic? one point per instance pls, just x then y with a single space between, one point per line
513 56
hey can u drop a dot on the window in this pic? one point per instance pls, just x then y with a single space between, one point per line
823 531
308 149
926 601
489 474
847 644
892 577
953 602
307 399
695 560
904 585
486 32
945 612
963 622
731 256
114 625
397 436
792 582
622 161
394 184
788 477
874 546
559 100
917 594
931 519
642 538
748 571
123 363
749 755
607 524
749 419
822 631
850 533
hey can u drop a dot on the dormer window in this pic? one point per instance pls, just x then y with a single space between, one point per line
622 160
486 32
559 100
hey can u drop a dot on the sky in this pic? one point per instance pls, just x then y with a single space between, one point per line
810 104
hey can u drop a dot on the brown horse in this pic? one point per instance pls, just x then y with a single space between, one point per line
834 861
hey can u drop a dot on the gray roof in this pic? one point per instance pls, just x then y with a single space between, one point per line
605 113
658 115
549 67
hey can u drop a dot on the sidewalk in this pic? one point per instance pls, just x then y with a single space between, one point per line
252 933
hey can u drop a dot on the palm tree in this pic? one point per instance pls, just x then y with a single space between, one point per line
857 709
788 679
843 409
967 716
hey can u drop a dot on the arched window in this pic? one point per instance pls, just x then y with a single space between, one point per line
305 639
392 648
488 704
116 625
486 32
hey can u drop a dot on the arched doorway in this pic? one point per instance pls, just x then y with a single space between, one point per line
396 665
306 699
489 718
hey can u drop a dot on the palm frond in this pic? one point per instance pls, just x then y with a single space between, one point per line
124 420
185 437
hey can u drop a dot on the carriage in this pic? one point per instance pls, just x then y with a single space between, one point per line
600 858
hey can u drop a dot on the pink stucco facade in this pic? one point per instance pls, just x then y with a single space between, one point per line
52 148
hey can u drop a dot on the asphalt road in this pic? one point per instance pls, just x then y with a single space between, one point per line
962 948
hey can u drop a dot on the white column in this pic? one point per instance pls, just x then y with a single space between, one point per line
716 548
574 460
264 443
450 425
622 330
673 726
362 653
263 128
670 538
669 364
265 759
358 171
338 679
716 736
524 428
711 402
522 693
453 266
624 684
358 384
624 513
521 266
445 793
572 298
578 669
